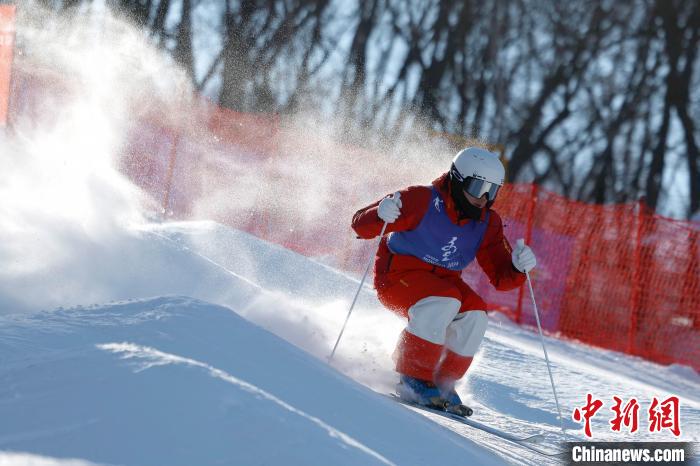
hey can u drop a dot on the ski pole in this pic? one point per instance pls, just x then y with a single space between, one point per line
362 282
521 242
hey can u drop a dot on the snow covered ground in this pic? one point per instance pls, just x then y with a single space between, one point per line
135 360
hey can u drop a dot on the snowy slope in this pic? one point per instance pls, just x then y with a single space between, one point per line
199 382
180 381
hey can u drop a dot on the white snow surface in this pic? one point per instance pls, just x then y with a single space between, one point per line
194 343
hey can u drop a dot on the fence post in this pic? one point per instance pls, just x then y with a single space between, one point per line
528 238
169 174
349 238
274 154
636 278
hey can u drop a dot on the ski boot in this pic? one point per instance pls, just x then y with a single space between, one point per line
454 402
421 392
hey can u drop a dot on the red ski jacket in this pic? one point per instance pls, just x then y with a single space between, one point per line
494 254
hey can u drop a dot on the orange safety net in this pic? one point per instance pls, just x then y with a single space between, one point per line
614 276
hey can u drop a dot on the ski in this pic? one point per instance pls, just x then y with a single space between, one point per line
530 442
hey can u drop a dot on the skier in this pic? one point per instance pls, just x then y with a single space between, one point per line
432 234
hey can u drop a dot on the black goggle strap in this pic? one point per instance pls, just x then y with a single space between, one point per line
455 174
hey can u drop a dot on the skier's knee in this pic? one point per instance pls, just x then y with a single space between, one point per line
464 334
430 317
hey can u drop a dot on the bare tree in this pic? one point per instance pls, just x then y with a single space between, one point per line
183 48
593 99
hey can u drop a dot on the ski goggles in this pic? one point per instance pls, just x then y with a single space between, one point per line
478 188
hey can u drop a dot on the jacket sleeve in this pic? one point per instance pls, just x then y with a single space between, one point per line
414 204
494 257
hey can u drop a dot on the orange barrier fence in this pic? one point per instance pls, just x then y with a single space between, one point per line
614 276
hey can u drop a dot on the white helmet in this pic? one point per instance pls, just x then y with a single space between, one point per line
479 163
478 172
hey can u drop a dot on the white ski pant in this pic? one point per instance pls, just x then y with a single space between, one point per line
439 343
437 320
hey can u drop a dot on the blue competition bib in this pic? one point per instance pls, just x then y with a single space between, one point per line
438 241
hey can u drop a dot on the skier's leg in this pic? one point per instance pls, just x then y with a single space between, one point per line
421 343
430 303
463 338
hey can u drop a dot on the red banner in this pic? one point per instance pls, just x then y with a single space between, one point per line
7 42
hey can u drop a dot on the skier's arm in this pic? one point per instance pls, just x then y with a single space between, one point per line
414 203
494 257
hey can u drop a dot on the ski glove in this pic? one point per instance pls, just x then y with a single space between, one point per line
523 258
390 208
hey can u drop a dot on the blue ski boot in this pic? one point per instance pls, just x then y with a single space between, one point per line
454 402
421 392
451 397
